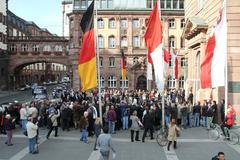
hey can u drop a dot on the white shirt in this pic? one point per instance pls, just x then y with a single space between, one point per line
23 113
31 129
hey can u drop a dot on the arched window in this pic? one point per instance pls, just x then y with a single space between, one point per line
35 47
47 48
58 48
181 82
112 82
182 23
112 23
24 47
171 23
101 61
135 60
171 82
124 42
100 23
124 83
12 47
171 41
100 41
112 42
111 62
124 23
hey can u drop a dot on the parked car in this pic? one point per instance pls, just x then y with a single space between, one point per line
41 97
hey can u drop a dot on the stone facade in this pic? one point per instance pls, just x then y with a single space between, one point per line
207 13
125 29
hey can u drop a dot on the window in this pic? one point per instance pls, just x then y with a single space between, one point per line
24 47
171 61
83 4
171 82
181 82
163 4
103 4
111 62
181 4
101 61
58 48
124 23
124 83
102 82
110 3
112 42
47 48
112 82
112 23
135 60
172 42
183 62
169 4
182 23
100 42
182 42
13 48
124 42
200 4
76 4
175 4
100 23
136 23
172 23
35 48
136 41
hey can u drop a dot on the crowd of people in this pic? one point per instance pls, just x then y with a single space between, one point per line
121 110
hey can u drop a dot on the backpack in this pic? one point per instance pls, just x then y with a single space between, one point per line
49 121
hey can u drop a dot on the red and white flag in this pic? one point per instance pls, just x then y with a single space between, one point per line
212 68
175 63
167 57
153 38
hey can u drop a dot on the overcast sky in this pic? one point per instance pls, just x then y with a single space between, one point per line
45 13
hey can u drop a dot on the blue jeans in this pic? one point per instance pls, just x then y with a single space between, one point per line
196 119
205 121
190 118
83 135
167 120
125 122
24 123
111 127
184 121
31 144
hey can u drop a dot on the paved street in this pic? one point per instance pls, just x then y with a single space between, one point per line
192 145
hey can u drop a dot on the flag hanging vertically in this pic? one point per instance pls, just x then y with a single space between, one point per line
87 57
123 66
153 38
175 63
167 58
212 68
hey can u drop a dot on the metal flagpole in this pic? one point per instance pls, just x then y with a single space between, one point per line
98 65
226 61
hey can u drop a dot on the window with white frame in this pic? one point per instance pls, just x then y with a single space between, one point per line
136 23
135 60
47 48
175 4
102 82
58 48
101 61
169 3
110 3
124 42
124 83
112 42
171 82
111 62
182 23
100 23
112 82
100 41
136 41
172 42
104 4
35 47
171 62
13 47
181 82
124 23
171 23
83 4
24 47
112 23
181 4
183 62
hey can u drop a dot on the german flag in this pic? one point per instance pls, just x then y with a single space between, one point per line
123 66
87 57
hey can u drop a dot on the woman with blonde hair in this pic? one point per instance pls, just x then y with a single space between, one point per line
97 130
172 134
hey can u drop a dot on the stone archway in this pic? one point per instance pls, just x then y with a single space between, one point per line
142 82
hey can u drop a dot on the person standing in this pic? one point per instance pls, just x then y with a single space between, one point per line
23 116
135 126
172 134
210 113
204 110
54 123
83 124
148 125
220 156
97 130
104 142
111 116
124 115
196 113
32 135
9 125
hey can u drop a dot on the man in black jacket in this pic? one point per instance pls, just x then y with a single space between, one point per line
220 156
148 124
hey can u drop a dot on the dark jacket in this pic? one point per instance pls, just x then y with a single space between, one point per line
8 124
196 109
111 115
148 121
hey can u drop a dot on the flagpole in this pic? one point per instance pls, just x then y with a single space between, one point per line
226 62
98 66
